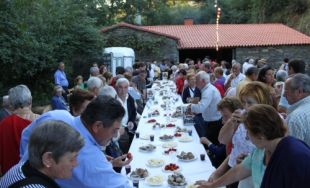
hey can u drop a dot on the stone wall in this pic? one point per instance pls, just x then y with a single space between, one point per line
147 46
275 55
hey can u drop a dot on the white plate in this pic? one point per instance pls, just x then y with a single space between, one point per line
192 185
155 180
166 140
188 160
155 162
145 137
170 145
185 139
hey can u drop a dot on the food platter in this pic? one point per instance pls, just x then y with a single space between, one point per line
155 163
139 173
155 180
170 145
147 148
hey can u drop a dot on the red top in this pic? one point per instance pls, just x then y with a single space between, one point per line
10 133
180 84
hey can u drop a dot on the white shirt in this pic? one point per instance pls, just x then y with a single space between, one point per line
207 105
124 104
241 144
236 80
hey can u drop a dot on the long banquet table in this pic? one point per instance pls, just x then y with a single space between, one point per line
193 170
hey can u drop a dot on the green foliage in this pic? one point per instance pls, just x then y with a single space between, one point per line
35 35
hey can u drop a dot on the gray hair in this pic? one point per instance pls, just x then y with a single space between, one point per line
5 101
20 97
52 136
300 81
121 80
236 64
94 82
107 91
129 69
202 75
207 64
94 70
281 75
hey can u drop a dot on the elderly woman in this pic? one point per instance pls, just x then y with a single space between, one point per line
78 101
58 101
53 150
278 160
234 132
12 126
217 153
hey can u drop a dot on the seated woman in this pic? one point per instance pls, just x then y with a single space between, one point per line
53 150
234 131
58 102
12 126
191 91
278 160
78 101
217 153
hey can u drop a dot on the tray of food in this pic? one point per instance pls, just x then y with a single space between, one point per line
155 162
155 180
172 167
170 145
166 137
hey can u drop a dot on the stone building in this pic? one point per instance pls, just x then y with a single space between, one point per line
272 42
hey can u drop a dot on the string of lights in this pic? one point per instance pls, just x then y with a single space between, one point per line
218 16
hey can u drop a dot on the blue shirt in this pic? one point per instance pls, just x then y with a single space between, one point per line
93 170
61 78
61 115
58 103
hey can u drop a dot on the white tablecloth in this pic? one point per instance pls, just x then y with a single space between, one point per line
194 170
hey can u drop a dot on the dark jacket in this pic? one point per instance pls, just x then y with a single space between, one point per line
186 94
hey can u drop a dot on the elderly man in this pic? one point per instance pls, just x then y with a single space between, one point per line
94 84
61 78
94 71
5 110
140 81
297 93
129 118
235 77
207 105
294 66
251 75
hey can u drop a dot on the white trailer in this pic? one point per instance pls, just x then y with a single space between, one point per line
118 56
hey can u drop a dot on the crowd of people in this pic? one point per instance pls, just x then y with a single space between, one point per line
253 120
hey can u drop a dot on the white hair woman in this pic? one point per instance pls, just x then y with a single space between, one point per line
12 126
53 149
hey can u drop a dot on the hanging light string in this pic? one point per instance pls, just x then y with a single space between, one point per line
218 16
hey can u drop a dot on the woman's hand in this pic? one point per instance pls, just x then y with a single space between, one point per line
204 184
241 157
213 177
205 141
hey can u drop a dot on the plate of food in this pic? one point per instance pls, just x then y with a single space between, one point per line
151 121
144 137
170 145
185 138
155 162
147 148
139 173
155 180
186 156
178 135
169 151
192 186
172 167
170 125
155 113
177 180
179 129
166 137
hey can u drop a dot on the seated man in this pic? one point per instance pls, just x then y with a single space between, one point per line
98 124
129 118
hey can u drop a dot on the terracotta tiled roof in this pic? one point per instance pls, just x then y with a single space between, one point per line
139 28
230 35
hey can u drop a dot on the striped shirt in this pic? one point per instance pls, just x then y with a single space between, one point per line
16 173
